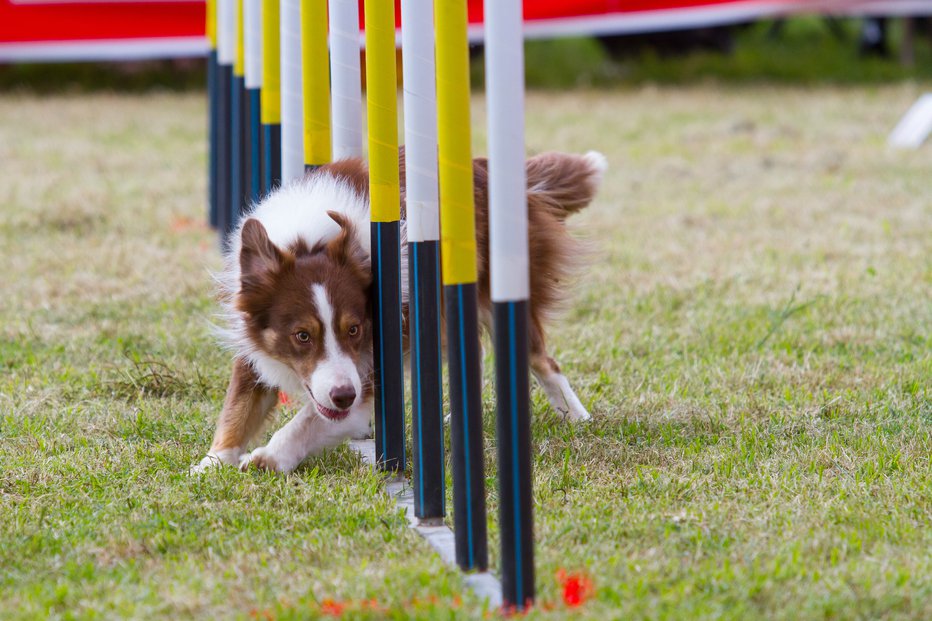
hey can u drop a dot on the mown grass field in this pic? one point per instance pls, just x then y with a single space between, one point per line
754 340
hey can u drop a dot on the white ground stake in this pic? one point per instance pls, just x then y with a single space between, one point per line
914 127
440 537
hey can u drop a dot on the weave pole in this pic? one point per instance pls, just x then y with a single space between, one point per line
253 52
458 254
270 98
238 123
226 55
384 197
292 113
346 79
420 109
316 81
213 101
509 263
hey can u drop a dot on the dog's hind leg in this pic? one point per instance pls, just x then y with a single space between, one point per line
555 385
245 409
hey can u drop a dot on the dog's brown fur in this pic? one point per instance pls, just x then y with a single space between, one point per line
246 407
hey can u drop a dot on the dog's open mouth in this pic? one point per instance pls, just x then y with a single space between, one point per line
328 413
331 413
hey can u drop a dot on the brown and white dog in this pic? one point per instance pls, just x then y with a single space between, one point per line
295 289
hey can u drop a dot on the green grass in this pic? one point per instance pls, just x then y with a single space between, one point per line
804 51
753 339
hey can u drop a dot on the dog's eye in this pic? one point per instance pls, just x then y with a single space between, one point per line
353 330
303 337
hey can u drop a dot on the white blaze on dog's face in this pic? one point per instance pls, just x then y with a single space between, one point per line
305 308
334 383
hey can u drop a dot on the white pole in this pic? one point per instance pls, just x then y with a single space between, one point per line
420 109
504 71
253 41
292 111
346 85
508 244
226 33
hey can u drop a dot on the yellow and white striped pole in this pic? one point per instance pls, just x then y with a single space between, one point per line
226 56
270 98
315 75
238 170
252 44
384 197
458 257
213 120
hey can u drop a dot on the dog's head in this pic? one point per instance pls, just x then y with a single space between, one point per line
307 309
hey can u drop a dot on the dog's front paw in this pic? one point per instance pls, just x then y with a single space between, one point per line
260 459
577 413
563 399
214 459
570 408
362 429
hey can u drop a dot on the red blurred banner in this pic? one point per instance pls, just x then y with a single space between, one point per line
50 30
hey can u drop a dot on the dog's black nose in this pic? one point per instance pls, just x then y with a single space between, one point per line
343 396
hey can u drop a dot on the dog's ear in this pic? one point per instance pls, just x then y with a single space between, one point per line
345 249
258 254
259 259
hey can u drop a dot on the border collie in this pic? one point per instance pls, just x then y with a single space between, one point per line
295 290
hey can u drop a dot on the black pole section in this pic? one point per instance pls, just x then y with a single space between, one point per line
272 157
224 161
426 389
264 169
236 153
254 146
469 517
386 351
514 453
212 138
244 167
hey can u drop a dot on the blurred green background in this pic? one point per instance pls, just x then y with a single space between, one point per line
802 50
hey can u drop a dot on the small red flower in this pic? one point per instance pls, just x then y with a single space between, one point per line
371 604
332 608
283 398
577 588
179 224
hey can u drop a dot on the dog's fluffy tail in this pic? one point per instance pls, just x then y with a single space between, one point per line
563 182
